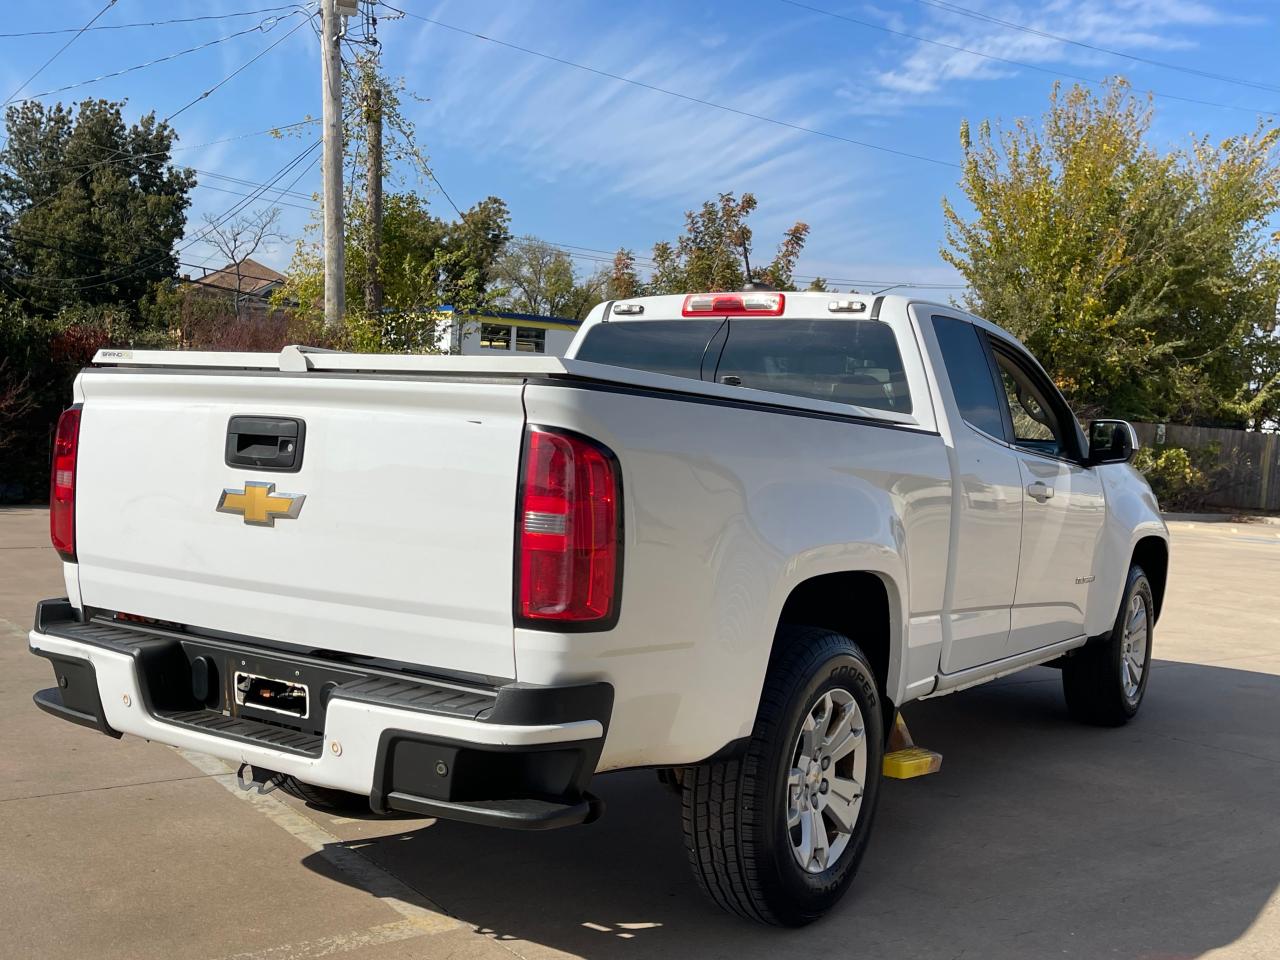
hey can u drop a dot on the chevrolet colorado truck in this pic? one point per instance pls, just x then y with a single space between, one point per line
727 536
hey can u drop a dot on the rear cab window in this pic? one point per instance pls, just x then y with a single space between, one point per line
840 360
677 348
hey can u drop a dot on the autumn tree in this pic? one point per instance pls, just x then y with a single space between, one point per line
714 252
623 281
1146 282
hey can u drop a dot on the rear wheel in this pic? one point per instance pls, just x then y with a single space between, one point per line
777 835
1104 683
324 798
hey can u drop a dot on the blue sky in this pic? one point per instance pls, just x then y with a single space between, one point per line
598 163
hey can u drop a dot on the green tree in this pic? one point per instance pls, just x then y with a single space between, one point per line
1143 281
90 207
540 278
427 263
713 251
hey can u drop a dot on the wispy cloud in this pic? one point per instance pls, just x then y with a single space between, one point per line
613 141
1142 27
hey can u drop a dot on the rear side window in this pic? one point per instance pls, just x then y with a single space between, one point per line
970 375
673 347
844 361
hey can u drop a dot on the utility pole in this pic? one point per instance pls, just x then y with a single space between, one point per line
373 187
331 22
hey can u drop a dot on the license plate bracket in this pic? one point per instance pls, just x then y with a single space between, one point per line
259 692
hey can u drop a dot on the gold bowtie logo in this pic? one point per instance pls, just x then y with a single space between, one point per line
259 504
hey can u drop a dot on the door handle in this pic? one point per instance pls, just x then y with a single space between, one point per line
265 443
1040 491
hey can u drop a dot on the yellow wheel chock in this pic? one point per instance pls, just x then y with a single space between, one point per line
904 759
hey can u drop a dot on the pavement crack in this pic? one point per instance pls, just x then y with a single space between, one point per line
111 786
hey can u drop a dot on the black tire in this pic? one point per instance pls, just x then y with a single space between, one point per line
324 798
735 811
1092 677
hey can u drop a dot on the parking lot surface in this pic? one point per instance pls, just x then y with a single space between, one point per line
1039 838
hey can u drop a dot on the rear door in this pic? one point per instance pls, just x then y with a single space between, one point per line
1063 506
392 538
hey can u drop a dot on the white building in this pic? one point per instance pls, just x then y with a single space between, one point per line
502 332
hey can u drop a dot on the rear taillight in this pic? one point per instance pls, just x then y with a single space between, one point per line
62 484
568 540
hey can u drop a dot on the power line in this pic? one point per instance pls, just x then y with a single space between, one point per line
257 194
1014 63
243 136
1044 34
244 66
250 183
675 93
58 53
147 23
302 173
236 193
263 27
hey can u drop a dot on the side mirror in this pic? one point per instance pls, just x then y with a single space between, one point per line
1111 441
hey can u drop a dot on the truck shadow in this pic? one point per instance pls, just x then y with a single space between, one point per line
1038 838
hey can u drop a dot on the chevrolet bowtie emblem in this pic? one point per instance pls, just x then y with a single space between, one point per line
259 503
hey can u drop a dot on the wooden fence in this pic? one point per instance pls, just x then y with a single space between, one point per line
1252 461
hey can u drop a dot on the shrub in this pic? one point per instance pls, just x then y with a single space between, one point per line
1182 479
41 357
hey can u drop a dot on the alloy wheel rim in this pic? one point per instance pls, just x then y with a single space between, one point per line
1133 647
825 782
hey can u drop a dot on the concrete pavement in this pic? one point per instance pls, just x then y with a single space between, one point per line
1039 838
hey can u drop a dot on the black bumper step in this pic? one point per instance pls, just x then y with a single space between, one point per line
516 814
89 714
168 660
246 731
187 679
415 695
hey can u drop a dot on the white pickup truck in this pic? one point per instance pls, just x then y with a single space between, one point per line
727 536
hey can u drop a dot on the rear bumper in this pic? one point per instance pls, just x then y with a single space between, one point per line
511 755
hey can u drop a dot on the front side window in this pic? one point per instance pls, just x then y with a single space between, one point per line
673 347
1035 425
965 358
844 361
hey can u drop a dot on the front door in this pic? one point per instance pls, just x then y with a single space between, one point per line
1063 507
987 505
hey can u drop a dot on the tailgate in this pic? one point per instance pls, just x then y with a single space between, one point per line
402 548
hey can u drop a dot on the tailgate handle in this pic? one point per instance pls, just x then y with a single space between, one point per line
265 443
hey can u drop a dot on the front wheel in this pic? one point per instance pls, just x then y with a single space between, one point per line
1104 683
777 835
